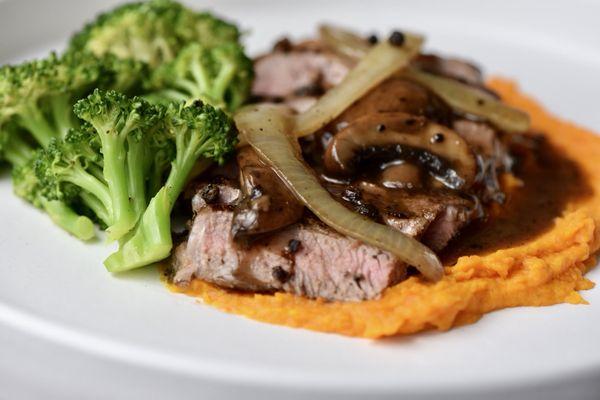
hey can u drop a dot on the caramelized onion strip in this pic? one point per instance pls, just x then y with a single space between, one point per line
267 129
378 64
343 41
471 100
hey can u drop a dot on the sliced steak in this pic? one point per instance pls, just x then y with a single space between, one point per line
297 74
446 225
434 218
300 73
306 258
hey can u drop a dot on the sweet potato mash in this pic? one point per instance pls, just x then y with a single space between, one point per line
545 269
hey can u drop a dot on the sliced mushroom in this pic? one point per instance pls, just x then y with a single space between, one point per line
267 204
398 95
401 175
384 137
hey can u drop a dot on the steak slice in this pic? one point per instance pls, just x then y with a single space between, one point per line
434 218
306 258
297 74
280 74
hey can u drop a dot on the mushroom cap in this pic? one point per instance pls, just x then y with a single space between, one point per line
384 137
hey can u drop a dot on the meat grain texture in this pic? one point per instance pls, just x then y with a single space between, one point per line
545 270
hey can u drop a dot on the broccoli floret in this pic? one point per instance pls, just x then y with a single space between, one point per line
36 100
152 32
27 186
108 155
67 170
122 75
25 183
127 152
220 75
38 95
124 127
109 162
199 132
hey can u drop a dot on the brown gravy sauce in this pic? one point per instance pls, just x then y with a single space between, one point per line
550 182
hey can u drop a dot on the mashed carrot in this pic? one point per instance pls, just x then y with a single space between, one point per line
548 269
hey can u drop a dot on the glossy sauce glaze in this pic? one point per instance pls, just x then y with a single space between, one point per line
549 181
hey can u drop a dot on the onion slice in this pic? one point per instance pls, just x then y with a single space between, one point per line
267 129
471 100
461 97
344 42
376 66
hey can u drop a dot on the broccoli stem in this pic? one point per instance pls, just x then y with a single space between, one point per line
61 106
151 240
224 78
137 162
167 94
97 172
32 119
16 151
180 170
187 86
115 172
201 77
79 177
96 206
63 216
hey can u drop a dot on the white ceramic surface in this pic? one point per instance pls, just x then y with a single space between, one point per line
69 330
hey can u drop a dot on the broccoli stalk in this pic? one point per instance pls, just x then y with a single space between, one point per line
62 215
220 75
32 119
199 132
14 148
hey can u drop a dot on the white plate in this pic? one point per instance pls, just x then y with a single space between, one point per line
69 330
